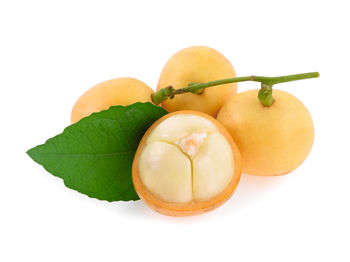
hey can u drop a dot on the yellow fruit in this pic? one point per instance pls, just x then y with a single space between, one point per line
272 140
197 64
119 91
186 164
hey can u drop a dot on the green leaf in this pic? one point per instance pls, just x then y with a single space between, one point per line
94 156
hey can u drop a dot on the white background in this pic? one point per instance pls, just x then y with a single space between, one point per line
53 51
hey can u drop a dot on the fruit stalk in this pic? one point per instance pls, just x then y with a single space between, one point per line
265 93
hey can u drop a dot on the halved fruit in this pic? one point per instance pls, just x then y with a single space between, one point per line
186 164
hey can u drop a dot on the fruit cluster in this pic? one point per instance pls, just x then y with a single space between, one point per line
190 160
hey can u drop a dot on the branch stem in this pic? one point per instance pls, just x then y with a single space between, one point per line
266 90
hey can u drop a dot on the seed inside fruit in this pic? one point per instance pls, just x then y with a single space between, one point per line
186 159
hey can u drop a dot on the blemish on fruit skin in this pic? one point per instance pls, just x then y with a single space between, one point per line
191 144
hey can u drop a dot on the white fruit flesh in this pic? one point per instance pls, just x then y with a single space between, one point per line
213 167
166 171
186 159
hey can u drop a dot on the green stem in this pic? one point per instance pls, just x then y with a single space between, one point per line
265 93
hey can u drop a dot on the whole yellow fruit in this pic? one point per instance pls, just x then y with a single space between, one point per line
272 140
197 64
119 91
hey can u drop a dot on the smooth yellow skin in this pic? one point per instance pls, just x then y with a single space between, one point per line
197 64
272 140
119 91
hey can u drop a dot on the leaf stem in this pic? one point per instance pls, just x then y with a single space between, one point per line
265 93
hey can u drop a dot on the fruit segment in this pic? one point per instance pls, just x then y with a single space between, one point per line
213 168
166 172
